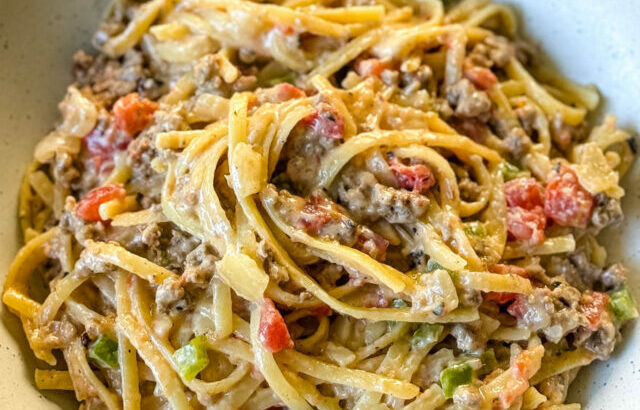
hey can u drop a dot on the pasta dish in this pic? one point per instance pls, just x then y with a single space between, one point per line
308 204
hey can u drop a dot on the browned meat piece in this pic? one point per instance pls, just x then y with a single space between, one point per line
540 314
64 169
493 51
78 227
470 336
563 322
589 272
563 134
150 236
468 101
110 79
527 115
208 78
413 81
469 189
141 151
566 293
163 244
199 265
606 212
614 276
169 293
517 142
469 297
580 273
367 199
309 142
601 342
54 335
320 216
556 387
144 179
472 128
562 267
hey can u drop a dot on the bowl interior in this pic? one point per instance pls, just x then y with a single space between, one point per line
588 40
37 40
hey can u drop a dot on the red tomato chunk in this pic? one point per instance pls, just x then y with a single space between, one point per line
525 217
321 311
500 298
133 114
87 208
372 244
317 212
523 192
593 306
567 203
509 269
519 307
284 29
481 77
101 145
371 67
416 177
526 225
325 123
272 331
286 91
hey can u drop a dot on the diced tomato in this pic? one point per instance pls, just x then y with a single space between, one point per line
313 219
133 114
317 212
481 77
325 123
87 208
526 225
524 366
416 177
519 307
500 298
371 67
286 91
593 306
512 269
102 144
321 311
523 192
567 203
516 388
371 243
272 331
284 29
525 363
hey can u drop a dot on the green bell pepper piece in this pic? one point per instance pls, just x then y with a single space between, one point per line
509 171
399 303
104 352
433 265
454 376
622 304
192 358
286 78
475 228
426 334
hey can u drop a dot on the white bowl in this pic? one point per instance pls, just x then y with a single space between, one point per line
591 41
